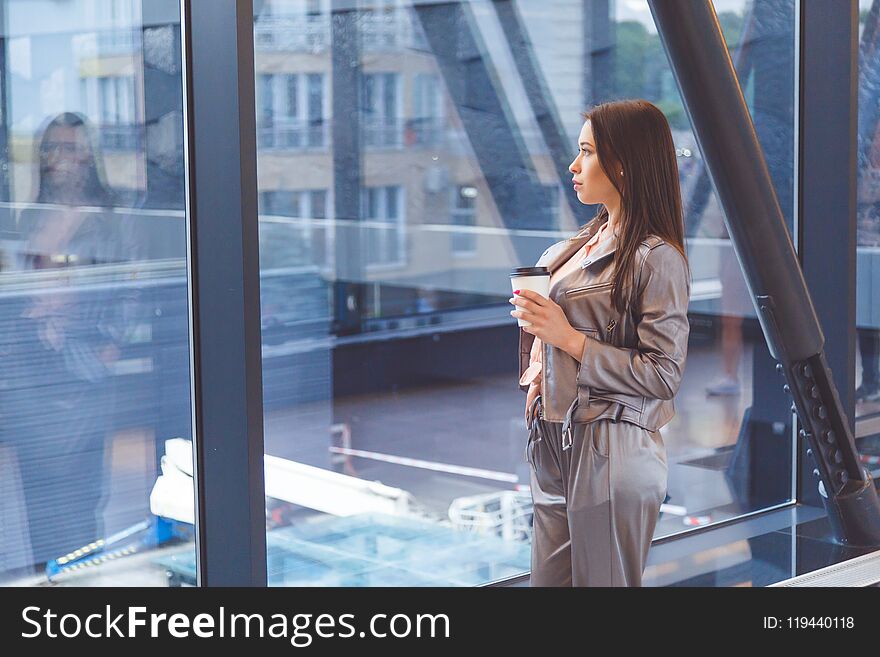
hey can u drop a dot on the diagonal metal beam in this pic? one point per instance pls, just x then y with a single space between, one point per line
716 107
503 158
539 95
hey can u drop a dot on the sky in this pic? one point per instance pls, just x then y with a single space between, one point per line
638 10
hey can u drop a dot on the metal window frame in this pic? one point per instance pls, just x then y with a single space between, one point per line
223 256
224 291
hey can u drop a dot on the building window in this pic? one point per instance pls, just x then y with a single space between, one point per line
464 213
292 226
381 113
290 110
383 25
110 100
426 124
384 226
313 9
316 110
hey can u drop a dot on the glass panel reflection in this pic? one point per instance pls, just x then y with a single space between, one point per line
94 354
389 355
867 383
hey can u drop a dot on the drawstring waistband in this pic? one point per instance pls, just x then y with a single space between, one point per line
533 411
566 425
535 425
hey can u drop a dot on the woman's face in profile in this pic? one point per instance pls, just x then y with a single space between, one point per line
590 182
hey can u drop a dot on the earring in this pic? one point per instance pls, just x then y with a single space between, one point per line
621 173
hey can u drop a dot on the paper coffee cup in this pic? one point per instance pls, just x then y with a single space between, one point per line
536 279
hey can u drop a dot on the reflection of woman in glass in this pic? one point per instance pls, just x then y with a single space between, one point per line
60 397
612 342
736 304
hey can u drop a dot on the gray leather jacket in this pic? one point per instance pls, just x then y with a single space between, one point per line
632 364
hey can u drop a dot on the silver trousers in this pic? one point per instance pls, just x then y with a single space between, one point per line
596 504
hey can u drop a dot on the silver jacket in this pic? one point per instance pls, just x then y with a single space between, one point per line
633 363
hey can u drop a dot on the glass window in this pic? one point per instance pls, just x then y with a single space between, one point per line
381 124
464 206
291 85
316 109
868 241
95 425
290 110
390 376
426 125
265 98
292 228
385 227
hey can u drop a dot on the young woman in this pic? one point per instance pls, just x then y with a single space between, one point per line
59 395
605 353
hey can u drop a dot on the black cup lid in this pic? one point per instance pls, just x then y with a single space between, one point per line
530 271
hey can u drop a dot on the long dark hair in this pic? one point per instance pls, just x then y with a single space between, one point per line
634 135
96 191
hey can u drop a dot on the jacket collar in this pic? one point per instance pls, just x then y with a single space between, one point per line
605 248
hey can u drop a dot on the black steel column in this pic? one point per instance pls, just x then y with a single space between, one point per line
347 82
714 101
224 269
828 36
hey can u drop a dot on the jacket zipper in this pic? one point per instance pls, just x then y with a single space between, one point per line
583 288
610 328
543 378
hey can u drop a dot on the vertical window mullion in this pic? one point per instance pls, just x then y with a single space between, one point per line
224 292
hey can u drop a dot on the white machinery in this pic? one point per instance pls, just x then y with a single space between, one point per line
304 485
507 514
